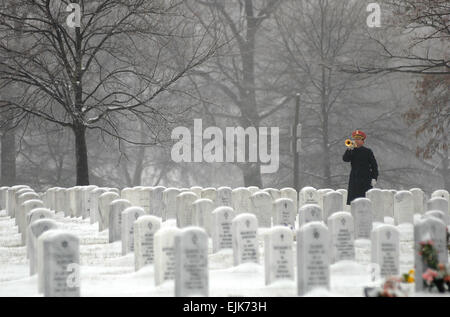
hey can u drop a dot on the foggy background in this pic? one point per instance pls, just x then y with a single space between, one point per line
97 104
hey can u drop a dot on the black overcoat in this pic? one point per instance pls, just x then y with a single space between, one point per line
364 169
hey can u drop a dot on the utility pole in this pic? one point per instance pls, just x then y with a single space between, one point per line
296 143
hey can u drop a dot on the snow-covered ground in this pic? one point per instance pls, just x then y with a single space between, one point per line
105 272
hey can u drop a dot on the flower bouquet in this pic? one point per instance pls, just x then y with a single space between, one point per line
437 274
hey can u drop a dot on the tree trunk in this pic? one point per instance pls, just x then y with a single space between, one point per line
251 171
8 158
81 155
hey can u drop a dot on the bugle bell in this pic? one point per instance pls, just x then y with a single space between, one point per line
350 143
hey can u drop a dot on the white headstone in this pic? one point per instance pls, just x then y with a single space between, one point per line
191 263
321 193
313 257
308 195
156 201
145 228
262 208
418 200
253 189
376 197
284 213
116 207
344 193
94 203
290 193
22 213
245 240
129 216
221 220
224 197
385 248
202 213
361 209
442 193
104 205
332 202
342 235
278 254
428 229
388 203
185 209
170 203
209 193
439 203
145 196
165 254
34 231
58 264
308 213
241 200
403 207
196 190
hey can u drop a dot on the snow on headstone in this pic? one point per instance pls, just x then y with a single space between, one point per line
278 254
191 263
61 201
104 207
156 201
86 196
32 216
376 197
313 257
11 201
22 213
196 190
332 202
320 195
361 209
94 204
223 197
253 189
341 228
385 249
164 242
58 264
185 209
129 216
221 219
145 228
284 213
308 195
308 213
34 231
209 193
262 208
428 229
116 208
437 214
403 207
290 193
388 203
244 229
202 213
170 203
241 200
3 197
442 193
344 193
145 196
418 200
439 203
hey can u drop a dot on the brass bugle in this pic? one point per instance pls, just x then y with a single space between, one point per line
350 143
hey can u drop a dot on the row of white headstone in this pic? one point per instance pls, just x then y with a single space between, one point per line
220 223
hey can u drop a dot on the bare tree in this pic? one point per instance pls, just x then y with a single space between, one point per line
109 69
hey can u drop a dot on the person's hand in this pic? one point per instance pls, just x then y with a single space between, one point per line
374 182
